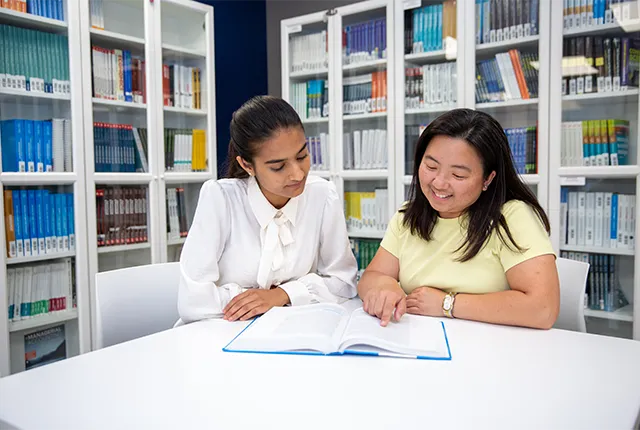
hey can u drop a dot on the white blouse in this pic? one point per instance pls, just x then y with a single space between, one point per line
238 240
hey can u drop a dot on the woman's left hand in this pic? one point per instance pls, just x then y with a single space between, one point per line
425 301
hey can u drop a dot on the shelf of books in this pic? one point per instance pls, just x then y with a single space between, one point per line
509 75
187 117
44 301
118 92
305 84
364 118
152 143
594 169
427 78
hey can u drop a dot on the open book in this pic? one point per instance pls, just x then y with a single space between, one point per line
329 329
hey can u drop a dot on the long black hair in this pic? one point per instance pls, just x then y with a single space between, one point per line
257 120
487 137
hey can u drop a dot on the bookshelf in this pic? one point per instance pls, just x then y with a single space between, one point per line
584 183
350 139
472 54
41 125
171 48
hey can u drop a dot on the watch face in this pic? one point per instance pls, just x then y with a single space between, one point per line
447 302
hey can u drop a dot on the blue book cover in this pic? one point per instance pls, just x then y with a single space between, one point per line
39 143
64 221
439 28
47 8
128 94
71 222
17 222
33 227
47 132
48 234
26 230
40 222
18 130
30 146
60 227
60 10
330 329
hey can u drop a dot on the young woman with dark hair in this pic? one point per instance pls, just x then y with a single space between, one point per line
472 241
268 235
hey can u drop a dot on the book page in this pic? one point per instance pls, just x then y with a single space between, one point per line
413 335
312 327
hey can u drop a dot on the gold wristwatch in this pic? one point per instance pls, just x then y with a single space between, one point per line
447 304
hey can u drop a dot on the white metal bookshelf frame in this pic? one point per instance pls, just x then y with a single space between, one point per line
11 355
566 176
336 120
156 179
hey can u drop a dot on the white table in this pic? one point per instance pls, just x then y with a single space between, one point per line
499 377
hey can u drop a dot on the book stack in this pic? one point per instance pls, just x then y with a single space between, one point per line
185 150
603 283
318 151
52 9
365 149
176 214
309 52
603 142
508 76
600 64
310 99
430 28
364 41
364 250
97 14
524 148
117 75
367 212
121 215
365 93
119 148
597 219
585 15
430 86
38 222
504 20
181 86
34 61
36 146
39 289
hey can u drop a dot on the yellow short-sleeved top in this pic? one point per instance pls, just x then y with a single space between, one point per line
433 263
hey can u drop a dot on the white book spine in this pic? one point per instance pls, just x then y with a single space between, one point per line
582 218
590 219
606 236
599 220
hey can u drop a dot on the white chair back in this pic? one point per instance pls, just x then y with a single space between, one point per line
573 282
135 302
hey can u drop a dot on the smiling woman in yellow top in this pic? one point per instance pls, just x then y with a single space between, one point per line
472 242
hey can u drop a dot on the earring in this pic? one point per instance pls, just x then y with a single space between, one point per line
484 188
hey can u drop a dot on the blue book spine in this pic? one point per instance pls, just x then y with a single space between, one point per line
533 16
46 8
39 142
439 30
614 221
8 143
40 222
18 130
60 10
33 227
26 231
128 95
47 137
59 228
29 144
71 222
17 222
54 223
64 221
46 201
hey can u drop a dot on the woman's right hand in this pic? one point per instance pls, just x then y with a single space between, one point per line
386 301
